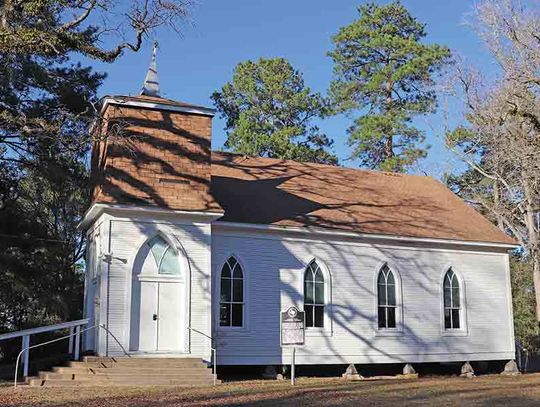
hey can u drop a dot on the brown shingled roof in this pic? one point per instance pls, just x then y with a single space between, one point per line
288 193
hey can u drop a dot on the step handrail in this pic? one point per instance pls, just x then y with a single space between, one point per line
41 329
212 349
74 326
62 338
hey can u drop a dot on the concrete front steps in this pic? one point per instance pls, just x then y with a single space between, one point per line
124 371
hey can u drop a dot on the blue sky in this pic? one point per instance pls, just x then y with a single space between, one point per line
223 33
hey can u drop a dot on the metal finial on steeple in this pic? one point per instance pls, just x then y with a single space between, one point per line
151 82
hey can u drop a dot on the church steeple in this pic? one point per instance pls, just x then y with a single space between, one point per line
151 82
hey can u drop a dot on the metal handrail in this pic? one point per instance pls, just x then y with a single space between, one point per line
212 349
41 329
62 338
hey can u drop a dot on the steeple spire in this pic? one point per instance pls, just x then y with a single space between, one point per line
151 82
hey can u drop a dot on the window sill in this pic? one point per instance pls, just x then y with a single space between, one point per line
454 332
229 330
318 332
388 332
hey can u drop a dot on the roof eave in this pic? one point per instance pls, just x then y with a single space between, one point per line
373 236
127 101
98 208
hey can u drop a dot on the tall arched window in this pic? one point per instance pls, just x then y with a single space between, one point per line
231 305
386 298
452 302
314 296
165 256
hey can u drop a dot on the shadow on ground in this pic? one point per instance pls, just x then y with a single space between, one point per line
520 391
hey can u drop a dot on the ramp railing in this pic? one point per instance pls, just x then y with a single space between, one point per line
74 335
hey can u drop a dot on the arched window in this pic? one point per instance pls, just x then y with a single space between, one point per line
386 298
231 305
452 302
314 296
165 256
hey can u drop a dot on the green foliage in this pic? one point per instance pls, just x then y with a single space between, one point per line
269 111
37 30
474 189
40 280
45 109
52 28
47 103
384 71
523 300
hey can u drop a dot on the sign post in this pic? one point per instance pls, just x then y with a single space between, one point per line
292 366
293 333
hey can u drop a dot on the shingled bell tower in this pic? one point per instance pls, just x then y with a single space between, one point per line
153 152
148 228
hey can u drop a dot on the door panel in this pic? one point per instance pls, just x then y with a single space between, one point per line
147 324
170 322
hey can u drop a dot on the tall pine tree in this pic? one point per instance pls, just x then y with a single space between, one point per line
269 112
385 73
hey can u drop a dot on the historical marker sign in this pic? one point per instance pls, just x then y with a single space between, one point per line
292 327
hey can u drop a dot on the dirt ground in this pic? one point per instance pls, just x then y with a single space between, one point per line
494 390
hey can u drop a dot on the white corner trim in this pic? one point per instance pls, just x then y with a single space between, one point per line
314 231
96 209
121 101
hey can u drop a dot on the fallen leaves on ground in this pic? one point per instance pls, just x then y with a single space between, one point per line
522 391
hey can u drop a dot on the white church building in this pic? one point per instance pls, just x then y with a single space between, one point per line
190 250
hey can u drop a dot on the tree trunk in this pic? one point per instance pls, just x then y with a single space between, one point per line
389 142
496 201
5 6
534 241
536 280
389 147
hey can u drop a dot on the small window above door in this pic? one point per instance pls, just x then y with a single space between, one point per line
165 256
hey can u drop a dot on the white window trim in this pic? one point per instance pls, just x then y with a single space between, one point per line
327 329
245 313
463 325
398 330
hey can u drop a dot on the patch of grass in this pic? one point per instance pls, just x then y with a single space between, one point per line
522 391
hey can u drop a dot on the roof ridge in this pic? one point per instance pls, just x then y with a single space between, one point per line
309 164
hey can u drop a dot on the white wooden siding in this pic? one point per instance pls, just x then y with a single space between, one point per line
275 264
125 239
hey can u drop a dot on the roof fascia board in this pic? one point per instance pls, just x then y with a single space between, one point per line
99 208
343 234
110 100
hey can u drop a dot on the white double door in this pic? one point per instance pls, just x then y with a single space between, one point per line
161 316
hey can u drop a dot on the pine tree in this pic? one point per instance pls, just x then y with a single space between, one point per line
385 73
47 103
269 113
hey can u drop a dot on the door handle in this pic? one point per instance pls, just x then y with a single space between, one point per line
154 317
